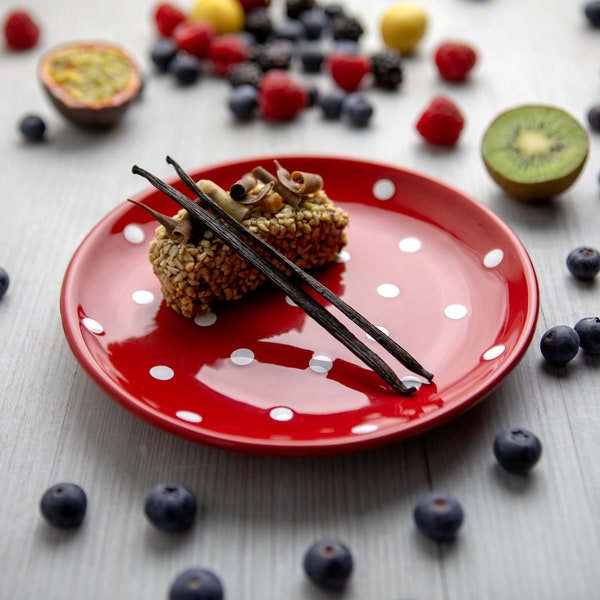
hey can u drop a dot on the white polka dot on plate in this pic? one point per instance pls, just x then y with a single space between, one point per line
142 297
242 357
205 320
364 428
134 234
411 381
455 311
410 245
320 363
162 372
493 258
384 189
92 325
281 413
290 301
189 416
388 290
343 257
382 329
494 352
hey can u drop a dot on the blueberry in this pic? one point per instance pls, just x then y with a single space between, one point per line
346 47
33 128
163 52
331 103
517 450
358 109
186 68
559 345
588 330
64 505
170 506
584 263
196 584
328 563
312 57
438 516
4 282
243 101
314 22
290 29
592 12
593 117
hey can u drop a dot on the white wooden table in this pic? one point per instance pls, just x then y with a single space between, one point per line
535 537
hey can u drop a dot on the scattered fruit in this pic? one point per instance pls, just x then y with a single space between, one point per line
243 101
438 516
196 584
166 17
163 52
441 123
281 97
4 282
593 117
186 68
328 563
21 32
33 128
64 505
227 50
358 109
252 5
312 57
386 66
331 103
69 75
259 24
348 70
534 152
559 345
315 22
170 507
588 330
584 263
243 73
592 12
517 450
403 25
194 37
226 16
294 8
345 27
454 60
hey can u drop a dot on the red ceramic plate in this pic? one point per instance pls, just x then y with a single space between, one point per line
438 271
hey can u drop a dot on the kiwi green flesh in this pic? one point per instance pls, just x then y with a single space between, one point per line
535 151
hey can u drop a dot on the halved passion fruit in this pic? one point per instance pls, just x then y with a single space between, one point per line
91 83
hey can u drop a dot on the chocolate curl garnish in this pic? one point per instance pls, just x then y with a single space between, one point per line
307 183
243 187
171 225
289 196
256 198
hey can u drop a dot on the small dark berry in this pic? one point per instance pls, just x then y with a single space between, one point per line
244 73
315 22
438 516
357 108
290 29
4 282
170 506
33 128
588 330
346 28
259 24
346 47
277 55
331 102
593 117
186 68
386 67
592 12
163 52
312 57
243 101
559 345
584 263
64 505
328 563
196 584
294 8
517 450
334 9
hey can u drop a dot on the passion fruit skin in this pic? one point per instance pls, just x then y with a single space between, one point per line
90 112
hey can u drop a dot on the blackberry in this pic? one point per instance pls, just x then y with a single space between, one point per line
346 28
294 8
386 67
245 73
259 24
277 55
333 10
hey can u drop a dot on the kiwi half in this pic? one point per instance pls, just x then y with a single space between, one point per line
534 151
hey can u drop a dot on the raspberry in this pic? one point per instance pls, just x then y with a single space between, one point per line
194 37
21 32
348 70
227 50
281 96
454 60
441 122
166 17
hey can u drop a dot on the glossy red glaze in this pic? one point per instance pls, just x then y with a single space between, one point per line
465 310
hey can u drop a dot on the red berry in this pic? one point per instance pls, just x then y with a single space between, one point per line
441 123
227 50
166 17
454 60
194 37
249 5
21 32
348 70
281 97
